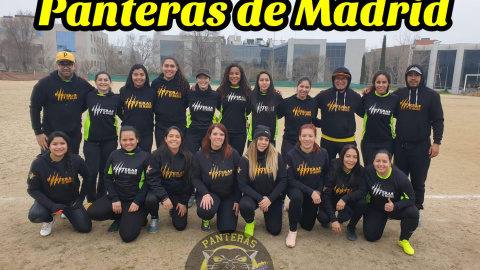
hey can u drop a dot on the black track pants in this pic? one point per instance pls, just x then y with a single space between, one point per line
194 139
353 211
273 217
152 205
374 221
413 159
333 148
78 217
369 147
130 223
237 141
301 209
223 208
96 155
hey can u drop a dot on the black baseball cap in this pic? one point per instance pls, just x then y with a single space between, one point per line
202 72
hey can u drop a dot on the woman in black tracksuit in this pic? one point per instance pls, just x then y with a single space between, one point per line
306 167
100 131
53 183
344 192
263 103
234 92
262 178
170 107
124 180
137 100
201 103
298 110
215 179
379 105
390 195
169 180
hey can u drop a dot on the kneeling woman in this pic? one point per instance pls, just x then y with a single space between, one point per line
215 178
169 180
124 177
262 178
53 183
344 192
390 195
306 165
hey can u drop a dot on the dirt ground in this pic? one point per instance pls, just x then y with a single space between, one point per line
449 237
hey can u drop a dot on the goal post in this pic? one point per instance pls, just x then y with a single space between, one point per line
476 85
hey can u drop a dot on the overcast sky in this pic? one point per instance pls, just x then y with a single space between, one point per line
466 20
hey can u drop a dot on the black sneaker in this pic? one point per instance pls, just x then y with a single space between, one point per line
351 233
115 226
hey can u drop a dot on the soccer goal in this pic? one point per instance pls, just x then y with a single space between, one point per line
472 86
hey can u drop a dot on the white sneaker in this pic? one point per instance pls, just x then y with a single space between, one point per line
63 216
291 237
46 228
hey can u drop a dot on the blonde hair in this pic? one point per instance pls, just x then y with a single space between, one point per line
271 158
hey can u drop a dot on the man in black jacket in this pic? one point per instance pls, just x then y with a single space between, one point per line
420 111
61 96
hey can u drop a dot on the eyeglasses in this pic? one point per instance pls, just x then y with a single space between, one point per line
66 65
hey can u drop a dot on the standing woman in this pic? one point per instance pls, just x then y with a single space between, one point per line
202 103
124 180
234 92
100 132
137 101
171 87
390 195
298 110
215 179
169 180
53 183
262 178
263 103
306 166
378 132
344 192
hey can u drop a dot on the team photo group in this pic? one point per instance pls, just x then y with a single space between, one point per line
217 149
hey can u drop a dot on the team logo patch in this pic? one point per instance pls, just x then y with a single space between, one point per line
229 251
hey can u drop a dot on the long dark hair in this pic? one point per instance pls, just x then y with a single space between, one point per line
129 84
68 159
225 86
163 152
206 143
341 157
180 79
272 95
375 76
129 128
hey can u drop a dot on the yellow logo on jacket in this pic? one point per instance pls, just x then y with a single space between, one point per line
332 105
303 169
55 179
405 105
61 95
163 92
132 102
215 173
262 170
342 190
297 111
167 173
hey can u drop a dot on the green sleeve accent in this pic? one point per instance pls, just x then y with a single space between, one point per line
213 119
404 197
221 114
391 126
368 197
189 119
87 126
276 128
364 123
116 124
141 180
250 137
110 171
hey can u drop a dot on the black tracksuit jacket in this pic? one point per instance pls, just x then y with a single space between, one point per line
49 183
378 118
171 103
234 111
62 102
101 123
297 113
202 106
137 108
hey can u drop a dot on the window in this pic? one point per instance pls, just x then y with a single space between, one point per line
39 34
1 31
66 42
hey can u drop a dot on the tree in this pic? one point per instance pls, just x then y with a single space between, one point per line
363 71
142 48
20 34
384 50
310 65
203 50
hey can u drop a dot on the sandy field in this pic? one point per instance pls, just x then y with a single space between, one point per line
449 237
